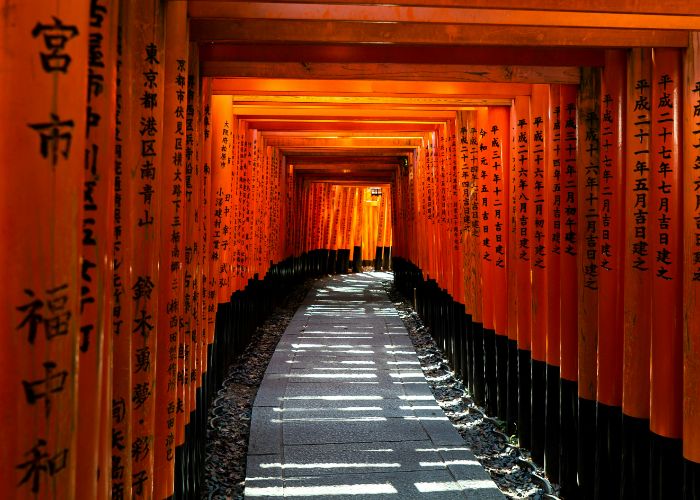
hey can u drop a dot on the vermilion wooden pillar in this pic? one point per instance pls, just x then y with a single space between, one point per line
477 330
568 273
523 122
172 237
220 207
143 65
334 226
257 181
243 210
121 408
342 221
423 172
637 279
588 272
95 358
539 247
357 236
192 257
665 231
205 215
349 222
42 108
499 163
611 224
389 230
352 224
456 202
237 219
691 288
488 257
464 229
553 208
511 265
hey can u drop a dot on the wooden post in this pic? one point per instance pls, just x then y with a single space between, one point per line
610 266
553 231
691 284
540 248
499 163
589 195
143 124
512 266
95 358
208 295
523 124
172 237
42 108
477 330
637 279
665 174
221 118
568 273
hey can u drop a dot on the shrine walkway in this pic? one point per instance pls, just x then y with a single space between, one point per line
344 409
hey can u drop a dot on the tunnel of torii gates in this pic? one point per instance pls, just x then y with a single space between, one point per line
169 171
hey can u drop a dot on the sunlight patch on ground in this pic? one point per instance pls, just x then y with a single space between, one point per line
332 398
434 487
321 491
328 466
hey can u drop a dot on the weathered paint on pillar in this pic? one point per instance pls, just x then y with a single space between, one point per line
42 108
172 213
570 236
95 358
499 162
691 288
611 224
553 229
637 262
143 155
666 244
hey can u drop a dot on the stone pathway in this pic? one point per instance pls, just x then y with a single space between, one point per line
344 410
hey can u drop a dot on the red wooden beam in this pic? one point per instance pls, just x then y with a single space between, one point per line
425 54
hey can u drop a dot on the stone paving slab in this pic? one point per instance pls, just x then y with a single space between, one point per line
344 410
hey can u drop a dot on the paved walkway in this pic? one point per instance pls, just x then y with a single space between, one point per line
344 410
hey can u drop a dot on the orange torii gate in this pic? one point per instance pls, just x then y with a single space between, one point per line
547 230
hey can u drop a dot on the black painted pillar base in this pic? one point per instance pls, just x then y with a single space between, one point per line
635 458
357 259
551 437
346 261
459 333
568 438
608 451
332 259
524 395
539 403
339 261
490 371
512 409
446 306
666 479
387 259
378 258
469 352
479 380
691 480
187 462
502 375
179 474
586 446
